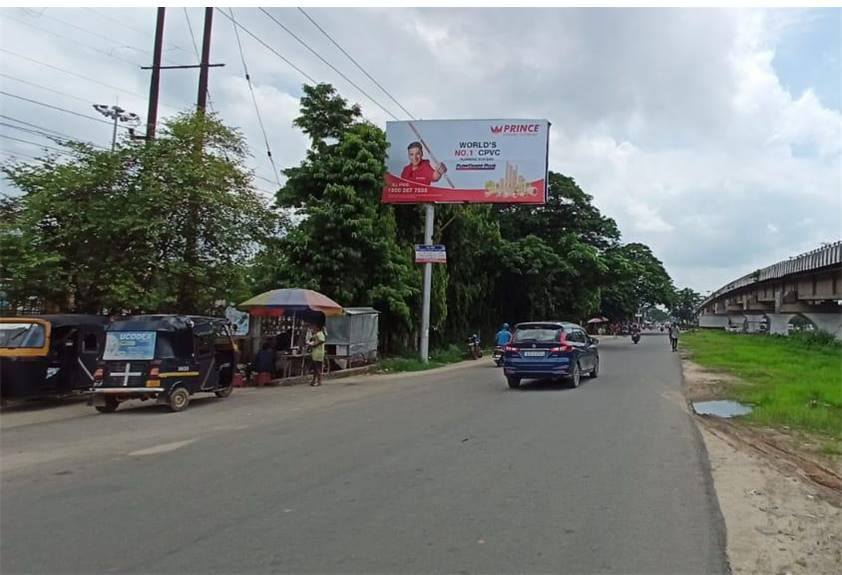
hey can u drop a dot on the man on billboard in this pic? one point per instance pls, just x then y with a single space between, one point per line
420 170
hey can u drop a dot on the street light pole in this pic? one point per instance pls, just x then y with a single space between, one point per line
118 114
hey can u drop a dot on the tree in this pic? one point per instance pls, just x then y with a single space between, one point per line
635 280
109 230
685 304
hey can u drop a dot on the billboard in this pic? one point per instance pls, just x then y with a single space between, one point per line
479 161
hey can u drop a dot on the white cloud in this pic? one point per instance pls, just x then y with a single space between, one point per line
675 121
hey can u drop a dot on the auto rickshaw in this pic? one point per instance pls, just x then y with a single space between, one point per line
166 358
49 355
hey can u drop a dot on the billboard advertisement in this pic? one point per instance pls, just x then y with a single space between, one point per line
479 161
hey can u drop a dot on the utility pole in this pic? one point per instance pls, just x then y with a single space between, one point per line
201 101
152 116
430 215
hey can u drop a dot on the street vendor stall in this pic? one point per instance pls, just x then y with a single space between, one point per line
352 337
282 316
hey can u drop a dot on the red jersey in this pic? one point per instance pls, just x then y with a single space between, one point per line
423 174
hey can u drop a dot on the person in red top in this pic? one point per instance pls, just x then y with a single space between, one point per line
420 170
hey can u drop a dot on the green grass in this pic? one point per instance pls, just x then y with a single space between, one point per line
438 358
795 381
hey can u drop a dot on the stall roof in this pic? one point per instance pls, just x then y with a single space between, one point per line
360 310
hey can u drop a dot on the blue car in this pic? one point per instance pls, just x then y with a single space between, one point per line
550 350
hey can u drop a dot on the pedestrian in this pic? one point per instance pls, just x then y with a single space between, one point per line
317 354
674 333
264 364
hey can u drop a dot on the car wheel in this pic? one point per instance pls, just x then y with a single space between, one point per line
514 382
179 399
595 370
225 391
576 376
109 407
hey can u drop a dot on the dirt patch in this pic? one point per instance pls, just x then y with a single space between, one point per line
782 505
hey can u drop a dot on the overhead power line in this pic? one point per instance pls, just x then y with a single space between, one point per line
40 63
31 143
254 100
75 42
357 64
268 47
144 33
60 109
45 132
331 66
48 89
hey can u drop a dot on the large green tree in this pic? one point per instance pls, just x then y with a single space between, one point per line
163 226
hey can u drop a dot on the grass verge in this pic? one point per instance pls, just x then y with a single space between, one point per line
794 381
438 358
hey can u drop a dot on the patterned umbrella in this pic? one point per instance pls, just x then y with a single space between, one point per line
280 302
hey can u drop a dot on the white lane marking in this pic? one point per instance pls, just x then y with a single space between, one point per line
164 448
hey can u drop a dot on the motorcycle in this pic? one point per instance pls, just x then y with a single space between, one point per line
474 349
636 337
497 355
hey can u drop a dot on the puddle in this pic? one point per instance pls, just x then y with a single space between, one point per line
721 408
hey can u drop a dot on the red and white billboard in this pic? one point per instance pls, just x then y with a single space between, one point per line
478 161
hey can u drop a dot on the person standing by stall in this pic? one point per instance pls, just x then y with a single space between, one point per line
317 354
264 364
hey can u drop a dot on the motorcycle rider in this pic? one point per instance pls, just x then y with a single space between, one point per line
504 336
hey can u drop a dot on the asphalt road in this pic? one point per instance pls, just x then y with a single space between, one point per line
448 471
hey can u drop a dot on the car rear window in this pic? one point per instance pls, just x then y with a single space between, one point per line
538 334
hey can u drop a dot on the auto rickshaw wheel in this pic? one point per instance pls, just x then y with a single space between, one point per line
179 399
225 391
110 406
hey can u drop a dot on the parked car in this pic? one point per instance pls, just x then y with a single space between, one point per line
49 355
167 358
550 349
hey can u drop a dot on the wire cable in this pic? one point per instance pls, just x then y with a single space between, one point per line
268 47
254 100
357 64
331 66
40 63
57 136
31 143
53 90
60 109
145 34
74 41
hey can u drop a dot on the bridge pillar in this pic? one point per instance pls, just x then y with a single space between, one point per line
829 322
778 323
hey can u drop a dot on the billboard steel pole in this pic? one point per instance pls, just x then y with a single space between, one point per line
430 212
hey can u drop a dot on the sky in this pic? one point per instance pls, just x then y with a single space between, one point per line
712 135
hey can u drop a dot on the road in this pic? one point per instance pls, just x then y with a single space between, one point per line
446 471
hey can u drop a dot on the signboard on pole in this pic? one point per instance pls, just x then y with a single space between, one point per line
477 161
430 254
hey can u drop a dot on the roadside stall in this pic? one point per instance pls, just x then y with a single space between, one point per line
282 317
352 338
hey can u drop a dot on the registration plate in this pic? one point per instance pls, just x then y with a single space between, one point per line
533 354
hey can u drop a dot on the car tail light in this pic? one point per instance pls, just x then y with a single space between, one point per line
99 374
153 373
564 348
509 348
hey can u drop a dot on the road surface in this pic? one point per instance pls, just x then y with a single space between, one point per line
447 471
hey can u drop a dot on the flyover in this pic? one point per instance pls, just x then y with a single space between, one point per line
804 290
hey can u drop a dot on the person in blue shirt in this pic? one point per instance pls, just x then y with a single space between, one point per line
504 336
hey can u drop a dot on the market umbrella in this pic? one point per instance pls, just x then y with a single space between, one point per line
598 320
300 303
289 301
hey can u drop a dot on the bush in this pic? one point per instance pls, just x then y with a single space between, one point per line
817 339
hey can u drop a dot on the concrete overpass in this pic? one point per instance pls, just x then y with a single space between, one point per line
805 290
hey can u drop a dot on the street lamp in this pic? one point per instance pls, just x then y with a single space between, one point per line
117 114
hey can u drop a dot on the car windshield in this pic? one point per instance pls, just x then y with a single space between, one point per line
129 345
21 335
537 334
